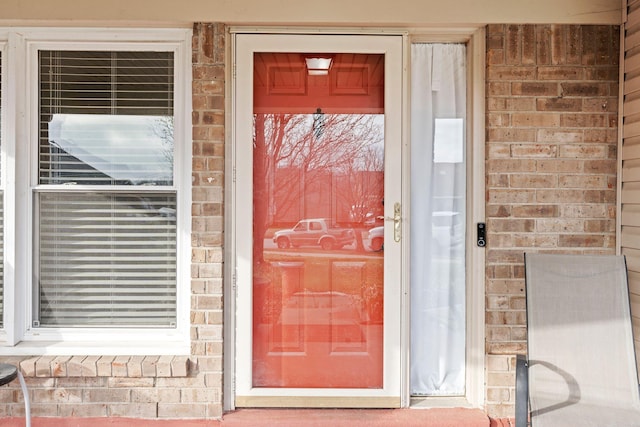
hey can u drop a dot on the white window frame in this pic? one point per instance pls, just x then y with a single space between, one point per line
20 118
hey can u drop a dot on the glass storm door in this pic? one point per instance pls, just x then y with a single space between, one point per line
318 219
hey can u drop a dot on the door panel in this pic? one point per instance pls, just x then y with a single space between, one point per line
283 83
317 280
318 306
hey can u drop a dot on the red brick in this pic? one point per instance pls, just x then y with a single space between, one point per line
582 241
560 165
560 73
559 104
511 73
584 120
583 181
511 165
535 120
500 225
498 89
528 44
565 136
520 103
513 196
585 89
534 150
536 88
543 44
535 211
533 181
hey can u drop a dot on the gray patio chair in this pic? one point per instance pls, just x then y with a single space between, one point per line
581 367
9 373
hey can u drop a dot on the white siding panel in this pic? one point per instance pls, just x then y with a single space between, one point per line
630 152
632 129
632 39
632 63
630 193
631 170
631 84
631 239
631 148
633 258
632 107
629 220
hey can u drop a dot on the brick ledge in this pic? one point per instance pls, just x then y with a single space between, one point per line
106 366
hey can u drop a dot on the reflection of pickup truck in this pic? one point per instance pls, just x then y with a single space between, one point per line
314 232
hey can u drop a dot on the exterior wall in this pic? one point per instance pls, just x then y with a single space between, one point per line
552 97
551 138
207 213
163 387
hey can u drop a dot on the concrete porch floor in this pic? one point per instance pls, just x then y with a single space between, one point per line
450 417
437 417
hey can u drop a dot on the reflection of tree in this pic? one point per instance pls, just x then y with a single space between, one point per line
163 128
363 190
364 185
344 150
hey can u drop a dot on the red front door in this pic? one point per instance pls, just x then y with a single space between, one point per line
316 154
318 181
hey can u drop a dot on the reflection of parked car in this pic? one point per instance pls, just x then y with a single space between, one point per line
372 219
376 238
327 317
446 231
314 232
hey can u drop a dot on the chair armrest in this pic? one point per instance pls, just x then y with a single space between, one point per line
522 391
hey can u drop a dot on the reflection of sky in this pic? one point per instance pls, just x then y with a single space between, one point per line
122 147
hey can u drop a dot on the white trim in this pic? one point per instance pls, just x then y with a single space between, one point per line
158 346
475 298
475 39
21 303
24 44
341 31
104 34
244 46
229 341
620 145
7 141
405 394
475 360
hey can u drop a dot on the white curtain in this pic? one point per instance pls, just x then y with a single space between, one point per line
438 103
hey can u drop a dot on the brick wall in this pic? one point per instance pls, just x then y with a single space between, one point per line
207 210
157 386
551 137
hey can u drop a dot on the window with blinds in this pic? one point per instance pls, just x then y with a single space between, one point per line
105 199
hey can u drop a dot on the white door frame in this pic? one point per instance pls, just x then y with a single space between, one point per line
475 39
392 46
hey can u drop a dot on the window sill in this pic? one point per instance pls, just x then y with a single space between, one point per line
162 347
106 366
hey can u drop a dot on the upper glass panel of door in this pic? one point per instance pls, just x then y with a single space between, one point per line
318 195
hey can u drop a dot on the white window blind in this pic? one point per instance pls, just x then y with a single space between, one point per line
106 257
106 118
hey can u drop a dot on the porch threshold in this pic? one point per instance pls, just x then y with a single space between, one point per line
440 417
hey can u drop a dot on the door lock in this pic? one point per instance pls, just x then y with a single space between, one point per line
397 222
